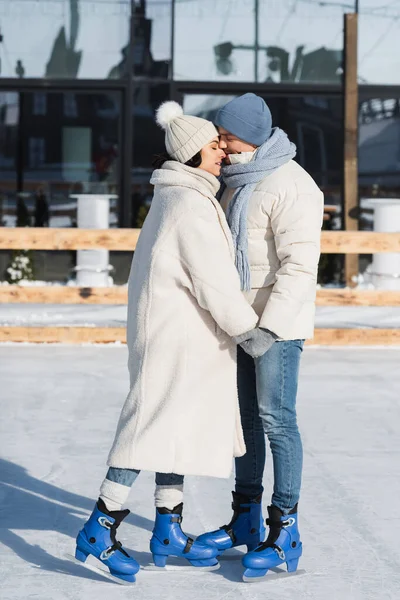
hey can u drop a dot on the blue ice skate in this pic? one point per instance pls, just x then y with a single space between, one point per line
245 529
98 539
283 545
169 540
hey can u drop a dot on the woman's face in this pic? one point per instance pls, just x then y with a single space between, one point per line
211 157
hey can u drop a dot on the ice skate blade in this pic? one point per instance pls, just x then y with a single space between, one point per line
98 570
180 568
273 576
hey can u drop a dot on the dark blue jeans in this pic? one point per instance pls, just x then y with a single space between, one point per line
267 397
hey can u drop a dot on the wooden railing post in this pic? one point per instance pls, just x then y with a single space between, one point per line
350 187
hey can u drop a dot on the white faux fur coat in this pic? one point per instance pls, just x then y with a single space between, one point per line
185 304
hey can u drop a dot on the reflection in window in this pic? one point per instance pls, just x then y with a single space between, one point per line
70 107
379 42
303 41
58 158
152 38
205 106
214 40
297 41
67 38
379 147
37 152
311 148
39 103
148 140
9 118
314 124
151 52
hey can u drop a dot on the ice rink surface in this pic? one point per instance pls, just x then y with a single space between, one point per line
59 406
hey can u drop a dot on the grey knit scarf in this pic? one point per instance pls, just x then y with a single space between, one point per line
274 153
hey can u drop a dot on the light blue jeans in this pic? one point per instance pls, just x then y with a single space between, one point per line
267 397
128 477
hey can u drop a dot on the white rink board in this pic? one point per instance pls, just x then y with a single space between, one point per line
59 406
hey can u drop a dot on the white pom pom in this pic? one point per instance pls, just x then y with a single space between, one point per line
167 112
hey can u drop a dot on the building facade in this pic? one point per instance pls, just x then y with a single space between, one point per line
80 81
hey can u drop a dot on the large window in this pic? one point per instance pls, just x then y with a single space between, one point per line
379 147
210 36
260 40
9 151
63 38
148 140
301 41
152 38
47 159
379 42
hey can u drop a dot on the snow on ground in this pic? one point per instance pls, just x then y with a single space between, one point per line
115 316
59 407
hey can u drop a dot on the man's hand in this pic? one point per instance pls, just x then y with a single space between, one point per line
256 342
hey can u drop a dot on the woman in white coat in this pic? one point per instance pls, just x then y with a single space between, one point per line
185 310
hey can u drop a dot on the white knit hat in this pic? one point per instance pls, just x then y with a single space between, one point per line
184 135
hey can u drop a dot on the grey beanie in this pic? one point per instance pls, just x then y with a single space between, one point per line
247 117
184 135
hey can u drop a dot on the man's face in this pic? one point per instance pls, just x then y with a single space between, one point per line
233 145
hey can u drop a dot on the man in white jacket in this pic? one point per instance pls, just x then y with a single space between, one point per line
275 210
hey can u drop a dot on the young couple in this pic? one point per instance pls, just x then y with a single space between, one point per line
220 304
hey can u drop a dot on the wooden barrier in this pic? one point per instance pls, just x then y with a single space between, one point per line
58 294
37 238
63 335
332 242
108 335
31 238
350 297
119 295
355 337
359 242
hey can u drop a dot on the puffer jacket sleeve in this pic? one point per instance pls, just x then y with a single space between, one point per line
296 221
214 280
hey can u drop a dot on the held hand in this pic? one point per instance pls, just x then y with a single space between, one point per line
256 342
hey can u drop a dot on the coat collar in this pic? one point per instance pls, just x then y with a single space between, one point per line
175 173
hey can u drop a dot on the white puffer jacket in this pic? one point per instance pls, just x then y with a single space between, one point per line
284 230
185 304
